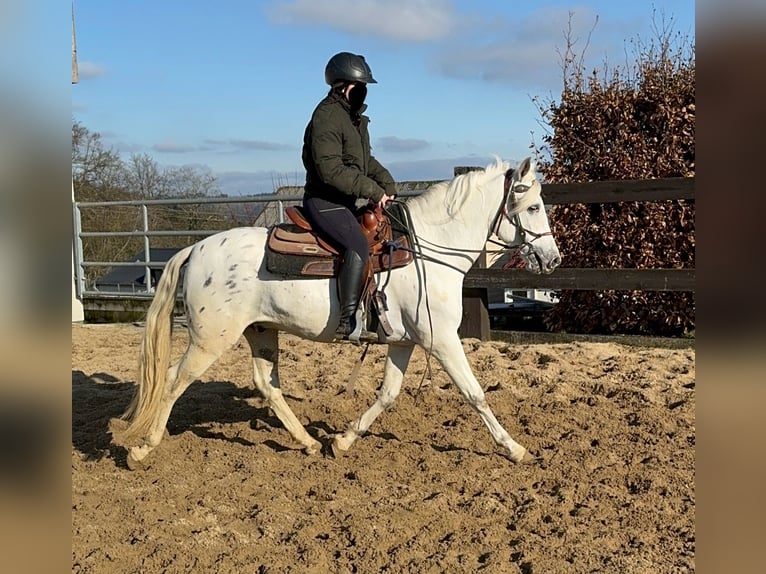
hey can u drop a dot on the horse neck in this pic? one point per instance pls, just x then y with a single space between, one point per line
463 233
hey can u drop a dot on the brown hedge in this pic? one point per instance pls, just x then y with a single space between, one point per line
636 128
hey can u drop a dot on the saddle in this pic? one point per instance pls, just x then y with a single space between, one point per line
294 249
389 245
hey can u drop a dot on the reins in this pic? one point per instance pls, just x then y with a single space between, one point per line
418 252
514 220
417 249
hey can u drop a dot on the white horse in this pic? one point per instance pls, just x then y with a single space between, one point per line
228 291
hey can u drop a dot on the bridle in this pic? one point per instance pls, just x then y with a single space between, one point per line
515 220
502 212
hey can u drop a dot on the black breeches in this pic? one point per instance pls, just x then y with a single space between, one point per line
337 225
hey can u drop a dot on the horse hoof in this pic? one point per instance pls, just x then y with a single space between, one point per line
523 457
135 463
528 458
313 448
337 450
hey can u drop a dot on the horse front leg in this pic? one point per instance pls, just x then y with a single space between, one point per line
450 354
397 359
265 351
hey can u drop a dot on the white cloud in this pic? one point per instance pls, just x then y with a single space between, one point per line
433 169
521 50
115 141
247 145
172 147
395 144
527 52
400 20
260 145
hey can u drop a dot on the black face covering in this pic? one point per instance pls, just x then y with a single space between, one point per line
356 97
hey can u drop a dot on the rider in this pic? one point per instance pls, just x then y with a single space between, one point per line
339 170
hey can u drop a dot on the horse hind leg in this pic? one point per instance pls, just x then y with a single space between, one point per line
265 351
192 365
396 364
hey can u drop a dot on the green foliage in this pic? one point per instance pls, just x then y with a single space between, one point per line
624 124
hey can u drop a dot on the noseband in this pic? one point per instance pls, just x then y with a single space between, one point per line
515 220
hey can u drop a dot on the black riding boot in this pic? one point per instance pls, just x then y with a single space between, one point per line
350 279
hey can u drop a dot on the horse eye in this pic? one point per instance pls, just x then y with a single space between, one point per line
533 208
521 188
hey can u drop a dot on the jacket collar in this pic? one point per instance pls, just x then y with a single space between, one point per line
346 106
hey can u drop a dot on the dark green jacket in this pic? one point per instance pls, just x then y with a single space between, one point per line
337 158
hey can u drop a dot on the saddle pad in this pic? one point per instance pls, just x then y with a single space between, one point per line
298 266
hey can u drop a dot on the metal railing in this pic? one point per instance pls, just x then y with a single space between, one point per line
81 264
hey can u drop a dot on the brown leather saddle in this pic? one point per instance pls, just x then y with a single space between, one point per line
295 249
314 257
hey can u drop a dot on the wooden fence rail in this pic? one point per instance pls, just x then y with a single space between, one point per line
615 191
478 280
585 279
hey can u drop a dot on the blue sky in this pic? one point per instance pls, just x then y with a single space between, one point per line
230 85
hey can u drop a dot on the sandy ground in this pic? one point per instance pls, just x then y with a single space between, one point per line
425 492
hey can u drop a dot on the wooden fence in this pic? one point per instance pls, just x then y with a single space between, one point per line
475 307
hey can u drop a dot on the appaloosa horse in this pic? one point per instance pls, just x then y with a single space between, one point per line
228 291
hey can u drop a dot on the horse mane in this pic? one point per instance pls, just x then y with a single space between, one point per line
456 190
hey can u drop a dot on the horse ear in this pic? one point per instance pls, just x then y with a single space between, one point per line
524 166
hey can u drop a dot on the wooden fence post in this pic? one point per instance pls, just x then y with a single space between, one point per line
475 322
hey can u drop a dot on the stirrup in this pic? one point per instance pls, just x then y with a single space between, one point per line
359 335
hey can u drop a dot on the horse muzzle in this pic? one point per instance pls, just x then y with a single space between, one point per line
541 262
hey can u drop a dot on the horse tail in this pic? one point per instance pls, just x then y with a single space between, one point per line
154 358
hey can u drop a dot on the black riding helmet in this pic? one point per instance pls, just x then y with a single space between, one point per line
348 67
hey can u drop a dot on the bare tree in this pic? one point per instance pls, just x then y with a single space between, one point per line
98 173
144 178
